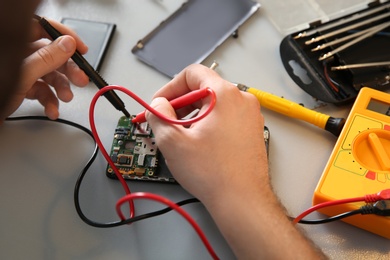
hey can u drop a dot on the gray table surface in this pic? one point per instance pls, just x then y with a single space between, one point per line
41 161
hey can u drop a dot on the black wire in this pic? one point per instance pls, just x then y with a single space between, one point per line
81 176
331 219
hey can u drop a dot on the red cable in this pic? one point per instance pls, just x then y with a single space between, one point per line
155 112
129 197
146 105
103 150
326 204
328 79
191 221
369 198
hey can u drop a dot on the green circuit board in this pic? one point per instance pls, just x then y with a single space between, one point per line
136 155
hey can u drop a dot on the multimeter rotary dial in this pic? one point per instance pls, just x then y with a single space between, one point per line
371 148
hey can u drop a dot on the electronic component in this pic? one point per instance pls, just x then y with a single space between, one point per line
96 35
267 136
360 161
136 155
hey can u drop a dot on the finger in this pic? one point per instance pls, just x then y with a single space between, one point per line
193 77
43 93
38 32
163 106
73 72
161 128
188 80
34 46
76 75
61 85
47 59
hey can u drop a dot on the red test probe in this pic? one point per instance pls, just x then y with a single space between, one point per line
179 102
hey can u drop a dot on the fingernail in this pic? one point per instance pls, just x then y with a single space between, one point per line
51 111
66 44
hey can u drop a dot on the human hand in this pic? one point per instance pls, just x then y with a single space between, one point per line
222 152
46 72
222 161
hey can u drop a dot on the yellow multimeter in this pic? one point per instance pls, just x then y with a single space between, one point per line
360 161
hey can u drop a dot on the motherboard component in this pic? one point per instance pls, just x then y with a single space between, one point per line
136 155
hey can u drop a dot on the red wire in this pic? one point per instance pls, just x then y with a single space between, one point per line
103 150
326 204
328 79
369 198
129 197
144 195
155 112
146 105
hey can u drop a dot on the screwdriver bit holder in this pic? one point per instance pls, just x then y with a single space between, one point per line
319 58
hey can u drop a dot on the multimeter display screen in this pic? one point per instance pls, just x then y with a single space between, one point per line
380 107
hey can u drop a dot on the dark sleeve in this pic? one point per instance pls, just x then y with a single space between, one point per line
15 22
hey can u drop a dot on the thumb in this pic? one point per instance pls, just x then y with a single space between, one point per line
163 106
50 57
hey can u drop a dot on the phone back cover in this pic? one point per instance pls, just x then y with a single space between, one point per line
190 34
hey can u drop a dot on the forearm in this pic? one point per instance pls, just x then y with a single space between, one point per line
255 225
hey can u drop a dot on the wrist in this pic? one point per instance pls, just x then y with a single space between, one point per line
251 188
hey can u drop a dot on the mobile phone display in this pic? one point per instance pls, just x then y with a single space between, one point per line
96 35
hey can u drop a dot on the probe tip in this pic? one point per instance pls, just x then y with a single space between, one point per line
127 114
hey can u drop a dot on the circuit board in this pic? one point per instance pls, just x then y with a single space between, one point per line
135 153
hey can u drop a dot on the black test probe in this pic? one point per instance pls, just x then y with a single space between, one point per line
86 67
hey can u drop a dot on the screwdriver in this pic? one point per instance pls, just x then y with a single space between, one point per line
295 110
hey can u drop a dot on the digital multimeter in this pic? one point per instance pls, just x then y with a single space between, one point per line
360 161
